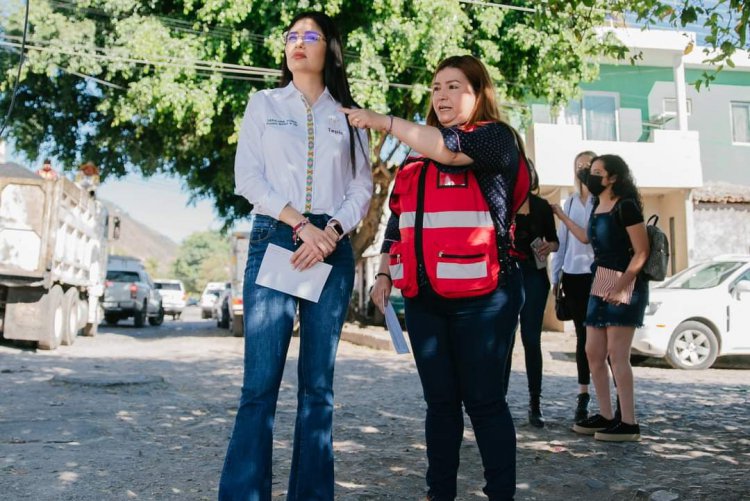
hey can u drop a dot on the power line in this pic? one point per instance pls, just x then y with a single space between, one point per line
498 5
219 33
18 73
188 64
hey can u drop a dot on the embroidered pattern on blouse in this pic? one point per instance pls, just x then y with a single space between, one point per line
310 156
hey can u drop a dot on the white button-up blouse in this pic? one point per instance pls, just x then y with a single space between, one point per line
291 153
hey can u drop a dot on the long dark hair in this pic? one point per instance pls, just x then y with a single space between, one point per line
334 71
624 185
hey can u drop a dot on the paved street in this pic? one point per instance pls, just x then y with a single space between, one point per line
146 414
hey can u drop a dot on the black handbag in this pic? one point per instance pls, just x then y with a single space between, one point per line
562 307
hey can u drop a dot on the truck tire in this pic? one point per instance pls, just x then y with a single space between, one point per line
71 310
158 319
53 318
111 319
139 316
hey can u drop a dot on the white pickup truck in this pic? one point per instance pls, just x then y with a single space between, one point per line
53 258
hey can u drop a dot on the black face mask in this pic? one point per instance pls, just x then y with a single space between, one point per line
594 184
583 175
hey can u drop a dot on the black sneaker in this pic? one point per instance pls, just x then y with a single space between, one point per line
620 432
593 424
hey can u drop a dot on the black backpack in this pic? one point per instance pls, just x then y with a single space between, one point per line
655 268
657 263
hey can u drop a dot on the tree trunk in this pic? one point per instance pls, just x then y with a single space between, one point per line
381 177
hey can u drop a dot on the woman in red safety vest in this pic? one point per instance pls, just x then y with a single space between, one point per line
447 248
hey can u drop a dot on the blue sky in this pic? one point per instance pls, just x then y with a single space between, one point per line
160 203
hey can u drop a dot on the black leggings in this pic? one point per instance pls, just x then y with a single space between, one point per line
577 289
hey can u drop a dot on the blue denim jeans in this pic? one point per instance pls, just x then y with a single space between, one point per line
269 318
460 348
536 289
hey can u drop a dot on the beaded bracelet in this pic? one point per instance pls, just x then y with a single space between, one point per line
298 228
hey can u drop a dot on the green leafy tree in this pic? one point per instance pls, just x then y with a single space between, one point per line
153 267
203 257
161 86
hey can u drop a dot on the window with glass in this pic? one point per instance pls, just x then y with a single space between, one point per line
597 114
670 106
704 276
600 117
740 122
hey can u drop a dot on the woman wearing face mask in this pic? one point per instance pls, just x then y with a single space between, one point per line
571 270
447 248
618 236
307 174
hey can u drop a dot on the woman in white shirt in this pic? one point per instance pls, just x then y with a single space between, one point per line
307 173
571 267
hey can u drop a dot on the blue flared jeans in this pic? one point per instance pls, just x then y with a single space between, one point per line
269 318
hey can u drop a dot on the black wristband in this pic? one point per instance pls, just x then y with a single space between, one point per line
385 275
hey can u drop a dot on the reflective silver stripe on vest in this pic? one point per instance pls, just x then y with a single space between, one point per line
397 271
448 219
458 270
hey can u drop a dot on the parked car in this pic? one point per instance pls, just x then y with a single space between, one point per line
173 296
208 298
130 292
699 314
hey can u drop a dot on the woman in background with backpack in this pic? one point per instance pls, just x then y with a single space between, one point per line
619 293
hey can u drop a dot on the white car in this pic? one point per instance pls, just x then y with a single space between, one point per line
699 314
173 296
208 297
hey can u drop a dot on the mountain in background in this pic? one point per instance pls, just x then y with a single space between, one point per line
157 251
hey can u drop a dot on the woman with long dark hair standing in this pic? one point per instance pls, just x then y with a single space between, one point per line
447 247
307 174
619 294
534 238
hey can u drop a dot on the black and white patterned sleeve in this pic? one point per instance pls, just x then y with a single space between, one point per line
491 146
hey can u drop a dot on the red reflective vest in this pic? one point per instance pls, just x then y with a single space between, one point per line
446 226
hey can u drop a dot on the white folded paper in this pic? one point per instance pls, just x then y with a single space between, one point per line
276 272
394 329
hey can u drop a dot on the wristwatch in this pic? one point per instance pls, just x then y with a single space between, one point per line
336 227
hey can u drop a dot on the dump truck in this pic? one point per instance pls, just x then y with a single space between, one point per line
53 258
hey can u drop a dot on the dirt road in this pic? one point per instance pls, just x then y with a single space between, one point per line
146 414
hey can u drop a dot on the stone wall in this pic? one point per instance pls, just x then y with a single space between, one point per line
721 228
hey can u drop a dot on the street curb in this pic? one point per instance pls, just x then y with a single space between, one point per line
374 337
